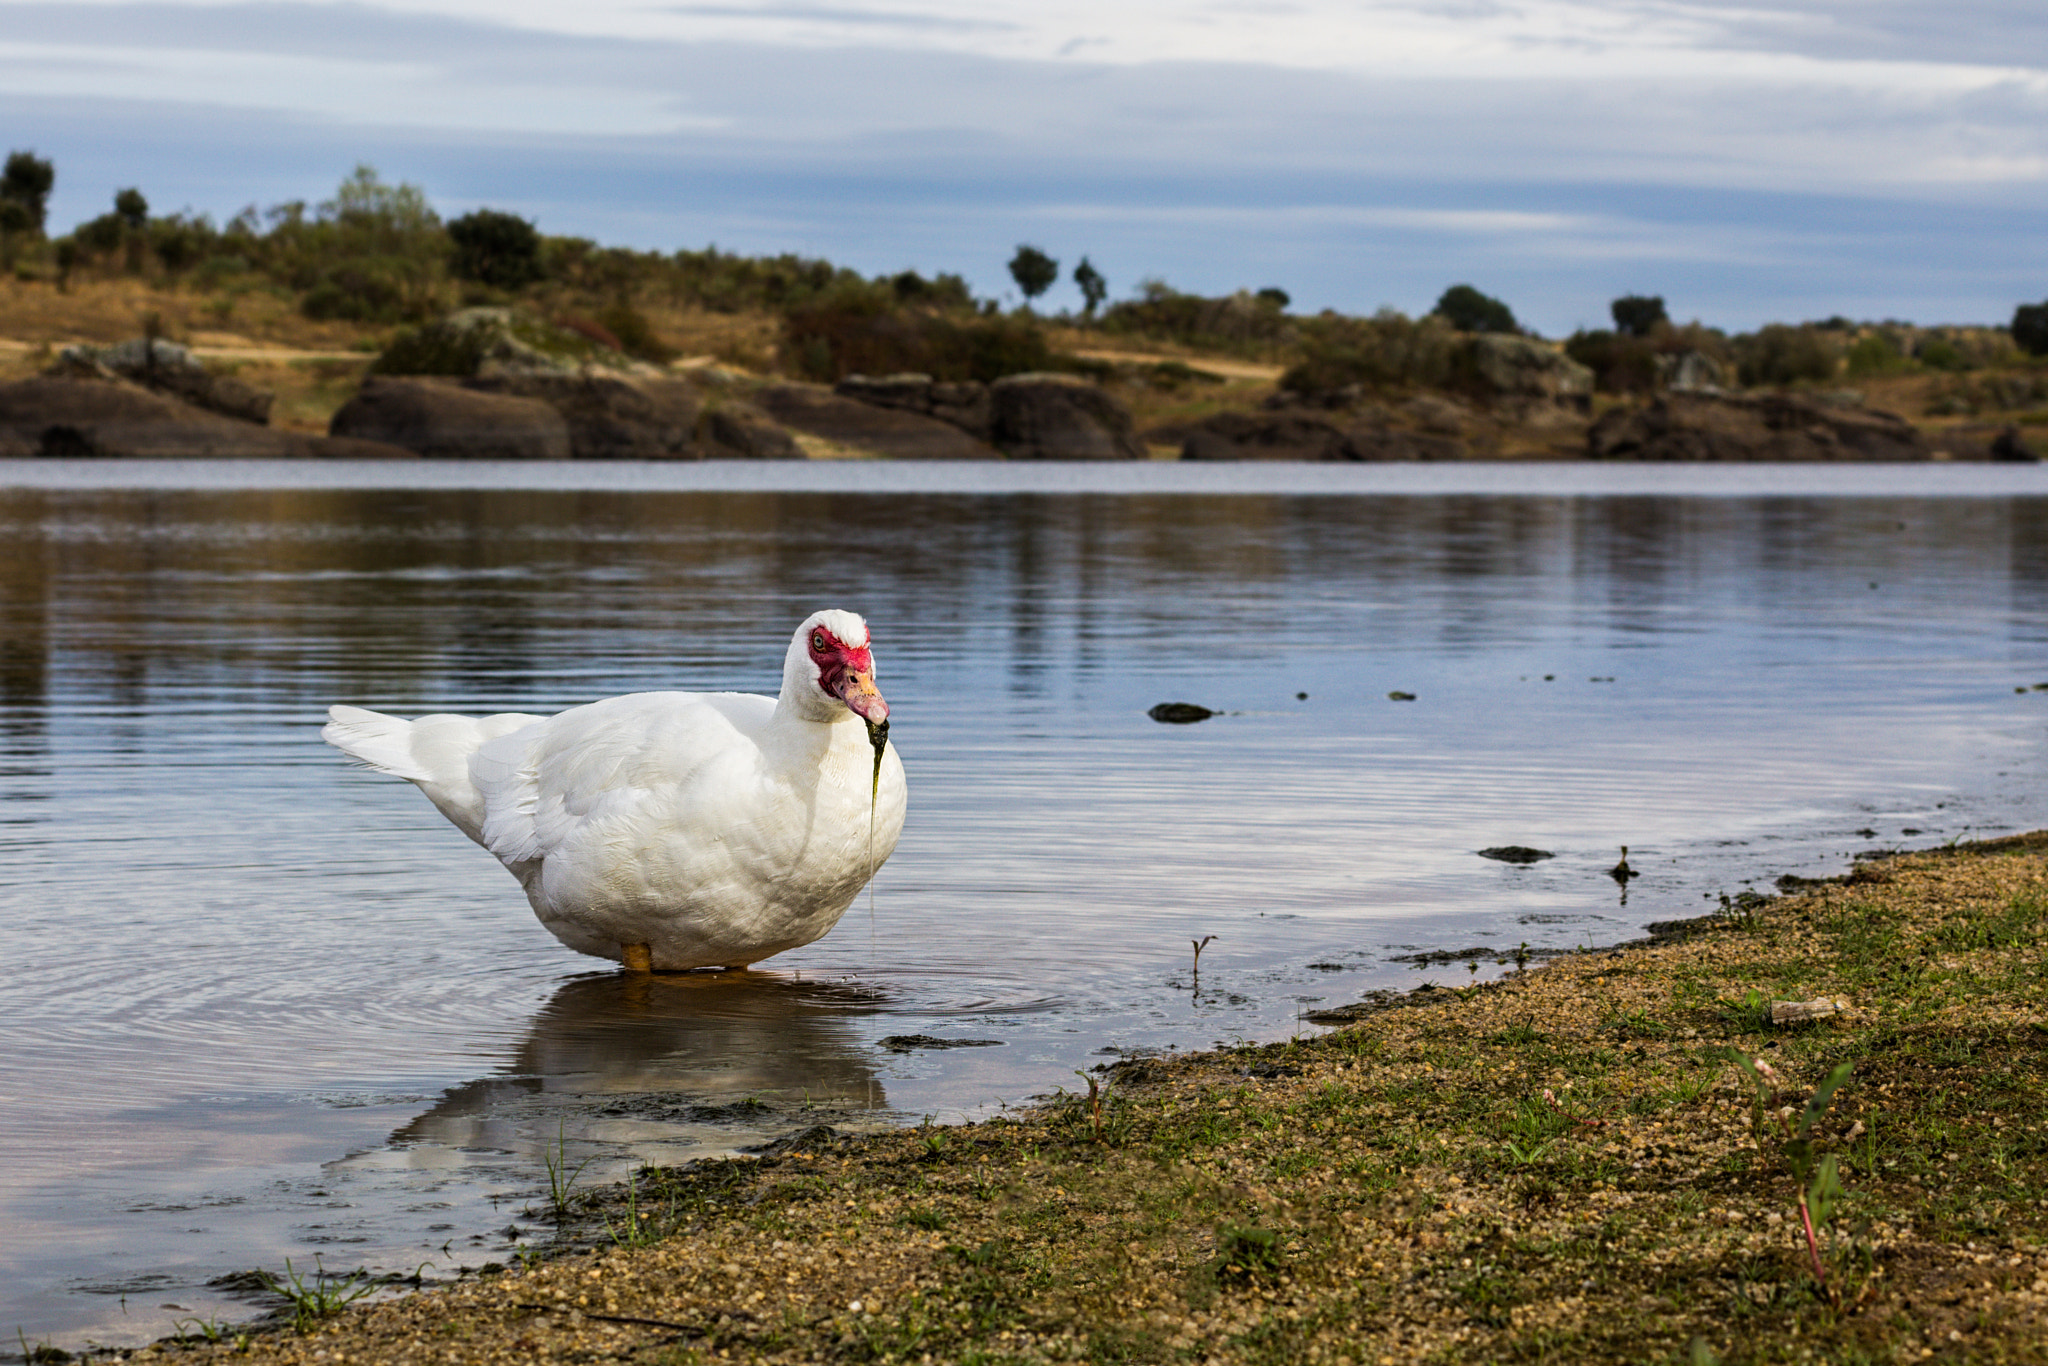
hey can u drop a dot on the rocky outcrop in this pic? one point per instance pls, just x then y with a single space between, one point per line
2010 446
899 431
1983 441
495 341
1309 436
963 404
609 417
739 431
1398 443
1057 417
1266 436
446 421
166 368
1743 427
63 416
1688 371
1519 373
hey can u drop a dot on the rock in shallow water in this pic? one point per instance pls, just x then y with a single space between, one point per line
1516 853
910 1043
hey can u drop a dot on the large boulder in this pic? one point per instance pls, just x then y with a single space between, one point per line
166 368
736 430
1520 372
1294 434
1365 442
447 421
894 430
1981 441
1041 416
963 404
609 417
66 416
1265 436
1689 371
1711 426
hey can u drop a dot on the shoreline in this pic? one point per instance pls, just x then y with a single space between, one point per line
1560 1164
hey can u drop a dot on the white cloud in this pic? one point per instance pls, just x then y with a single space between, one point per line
1772 146
419 92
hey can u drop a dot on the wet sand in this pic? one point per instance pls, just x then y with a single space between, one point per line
1565 1165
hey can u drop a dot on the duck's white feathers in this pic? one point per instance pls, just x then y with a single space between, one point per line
433 751
718 828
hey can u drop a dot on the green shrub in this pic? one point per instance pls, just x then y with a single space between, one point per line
131 208
102 236
501 250
941 291
219 268
1939 353
180 243
634 333
372 289
1621 363
1782 354
1639 315
2030 328
459 343
1388 351
1033 270
25 185
1466 309
859 328
1242 322
725 283
1094 289
1875 354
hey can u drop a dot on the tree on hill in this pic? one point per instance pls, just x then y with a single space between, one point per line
131 208
1033 270
1094 289
364 200
2030 328
25 186
1274 297
1637 315
497 249
1466 309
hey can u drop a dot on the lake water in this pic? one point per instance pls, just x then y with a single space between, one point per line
261 1005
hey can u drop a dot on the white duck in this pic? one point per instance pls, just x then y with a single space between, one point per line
670 830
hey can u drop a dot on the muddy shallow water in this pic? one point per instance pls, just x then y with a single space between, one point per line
263 1006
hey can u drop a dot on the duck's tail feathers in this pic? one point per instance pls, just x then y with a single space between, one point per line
377 741
433 751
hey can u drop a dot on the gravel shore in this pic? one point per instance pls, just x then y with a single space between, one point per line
1569 1165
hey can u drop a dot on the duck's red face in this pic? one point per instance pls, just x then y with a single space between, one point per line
847 672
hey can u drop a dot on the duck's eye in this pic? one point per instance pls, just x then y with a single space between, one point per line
818 641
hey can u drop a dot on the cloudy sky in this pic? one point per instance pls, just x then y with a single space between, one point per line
1776 159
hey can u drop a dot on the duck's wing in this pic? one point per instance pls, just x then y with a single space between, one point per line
628 769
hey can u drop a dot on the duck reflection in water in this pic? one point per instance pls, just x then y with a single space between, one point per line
689 1063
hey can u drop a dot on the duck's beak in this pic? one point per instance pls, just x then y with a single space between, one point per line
858 691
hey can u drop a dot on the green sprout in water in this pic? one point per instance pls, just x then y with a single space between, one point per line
321 1298
561 1179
